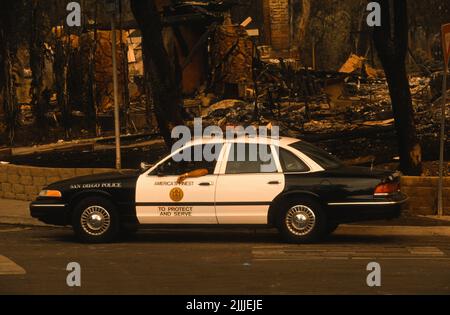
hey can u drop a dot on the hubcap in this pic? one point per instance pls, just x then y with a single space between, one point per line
300 220
95 220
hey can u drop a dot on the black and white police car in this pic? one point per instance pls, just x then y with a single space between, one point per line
302 190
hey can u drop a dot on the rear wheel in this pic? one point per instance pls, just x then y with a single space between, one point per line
331 227
95 220
302 221
128 232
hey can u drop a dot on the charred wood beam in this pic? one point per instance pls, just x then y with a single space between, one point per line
212 5
188 19
168 21
203 39
346 134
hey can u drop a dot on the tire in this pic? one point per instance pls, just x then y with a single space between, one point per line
312 226
95 220
331 227
128 233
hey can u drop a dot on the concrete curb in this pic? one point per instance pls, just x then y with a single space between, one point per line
395 230
344 229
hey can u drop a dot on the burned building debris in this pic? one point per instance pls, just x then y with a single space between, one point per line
237 62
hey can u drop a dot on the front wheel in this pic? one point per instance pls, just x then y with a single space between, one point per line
95 220
302 221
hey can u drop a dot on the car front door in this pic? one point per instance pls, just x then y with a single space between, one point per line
247 184
162 199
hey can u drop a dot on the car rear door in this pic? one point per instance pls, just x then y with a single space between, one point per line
246 185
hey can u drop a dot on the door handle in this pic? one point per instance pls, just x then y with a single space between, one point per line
205 184
274 182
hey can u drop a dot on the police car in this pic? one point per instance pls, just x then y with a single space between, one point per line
300 189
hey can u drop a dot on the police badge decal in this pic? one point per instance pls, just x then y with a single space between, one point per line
176 194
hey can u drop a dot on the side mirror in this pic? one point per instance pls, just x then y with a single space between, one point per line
145 166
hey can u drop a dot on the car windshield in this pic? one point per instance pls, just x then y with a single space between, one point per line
318 155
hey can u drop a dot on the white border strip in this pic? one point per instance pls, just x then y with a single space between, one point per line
365 203
48 205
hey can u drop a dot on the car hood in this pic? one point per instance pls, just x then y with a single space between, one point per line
116 176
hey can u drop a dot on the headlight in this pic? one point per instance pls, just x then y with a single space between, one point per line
50 193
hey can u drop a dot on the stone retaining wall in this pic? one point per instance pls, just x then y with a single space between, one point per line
422 193
25 182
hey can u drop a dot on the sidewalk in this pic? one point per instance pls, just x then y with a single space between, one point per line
17 212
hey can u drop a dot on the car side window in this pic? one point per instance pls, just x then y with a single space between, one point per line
192 158
290 162
250 158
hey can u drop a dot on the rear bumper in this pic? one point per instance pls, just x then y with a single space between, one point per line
376 209
50 212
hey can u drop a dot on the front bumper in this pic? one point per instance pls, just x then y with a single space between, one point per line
49 211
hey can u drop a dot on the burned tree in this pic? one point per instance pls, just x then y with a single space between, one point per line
40 96
391 42
301 22
7 85
165 87
60 66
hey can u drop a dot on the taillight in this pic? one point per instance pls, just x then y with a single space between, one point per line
387 188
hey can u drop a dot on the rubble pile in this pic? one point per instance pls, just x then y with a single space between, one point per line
359 125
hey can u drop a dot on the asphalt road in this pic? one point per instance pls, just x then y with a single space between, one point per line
33 260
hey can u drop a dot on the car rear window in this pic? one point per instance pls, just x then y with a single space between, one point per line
290 162
250 158
318 155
